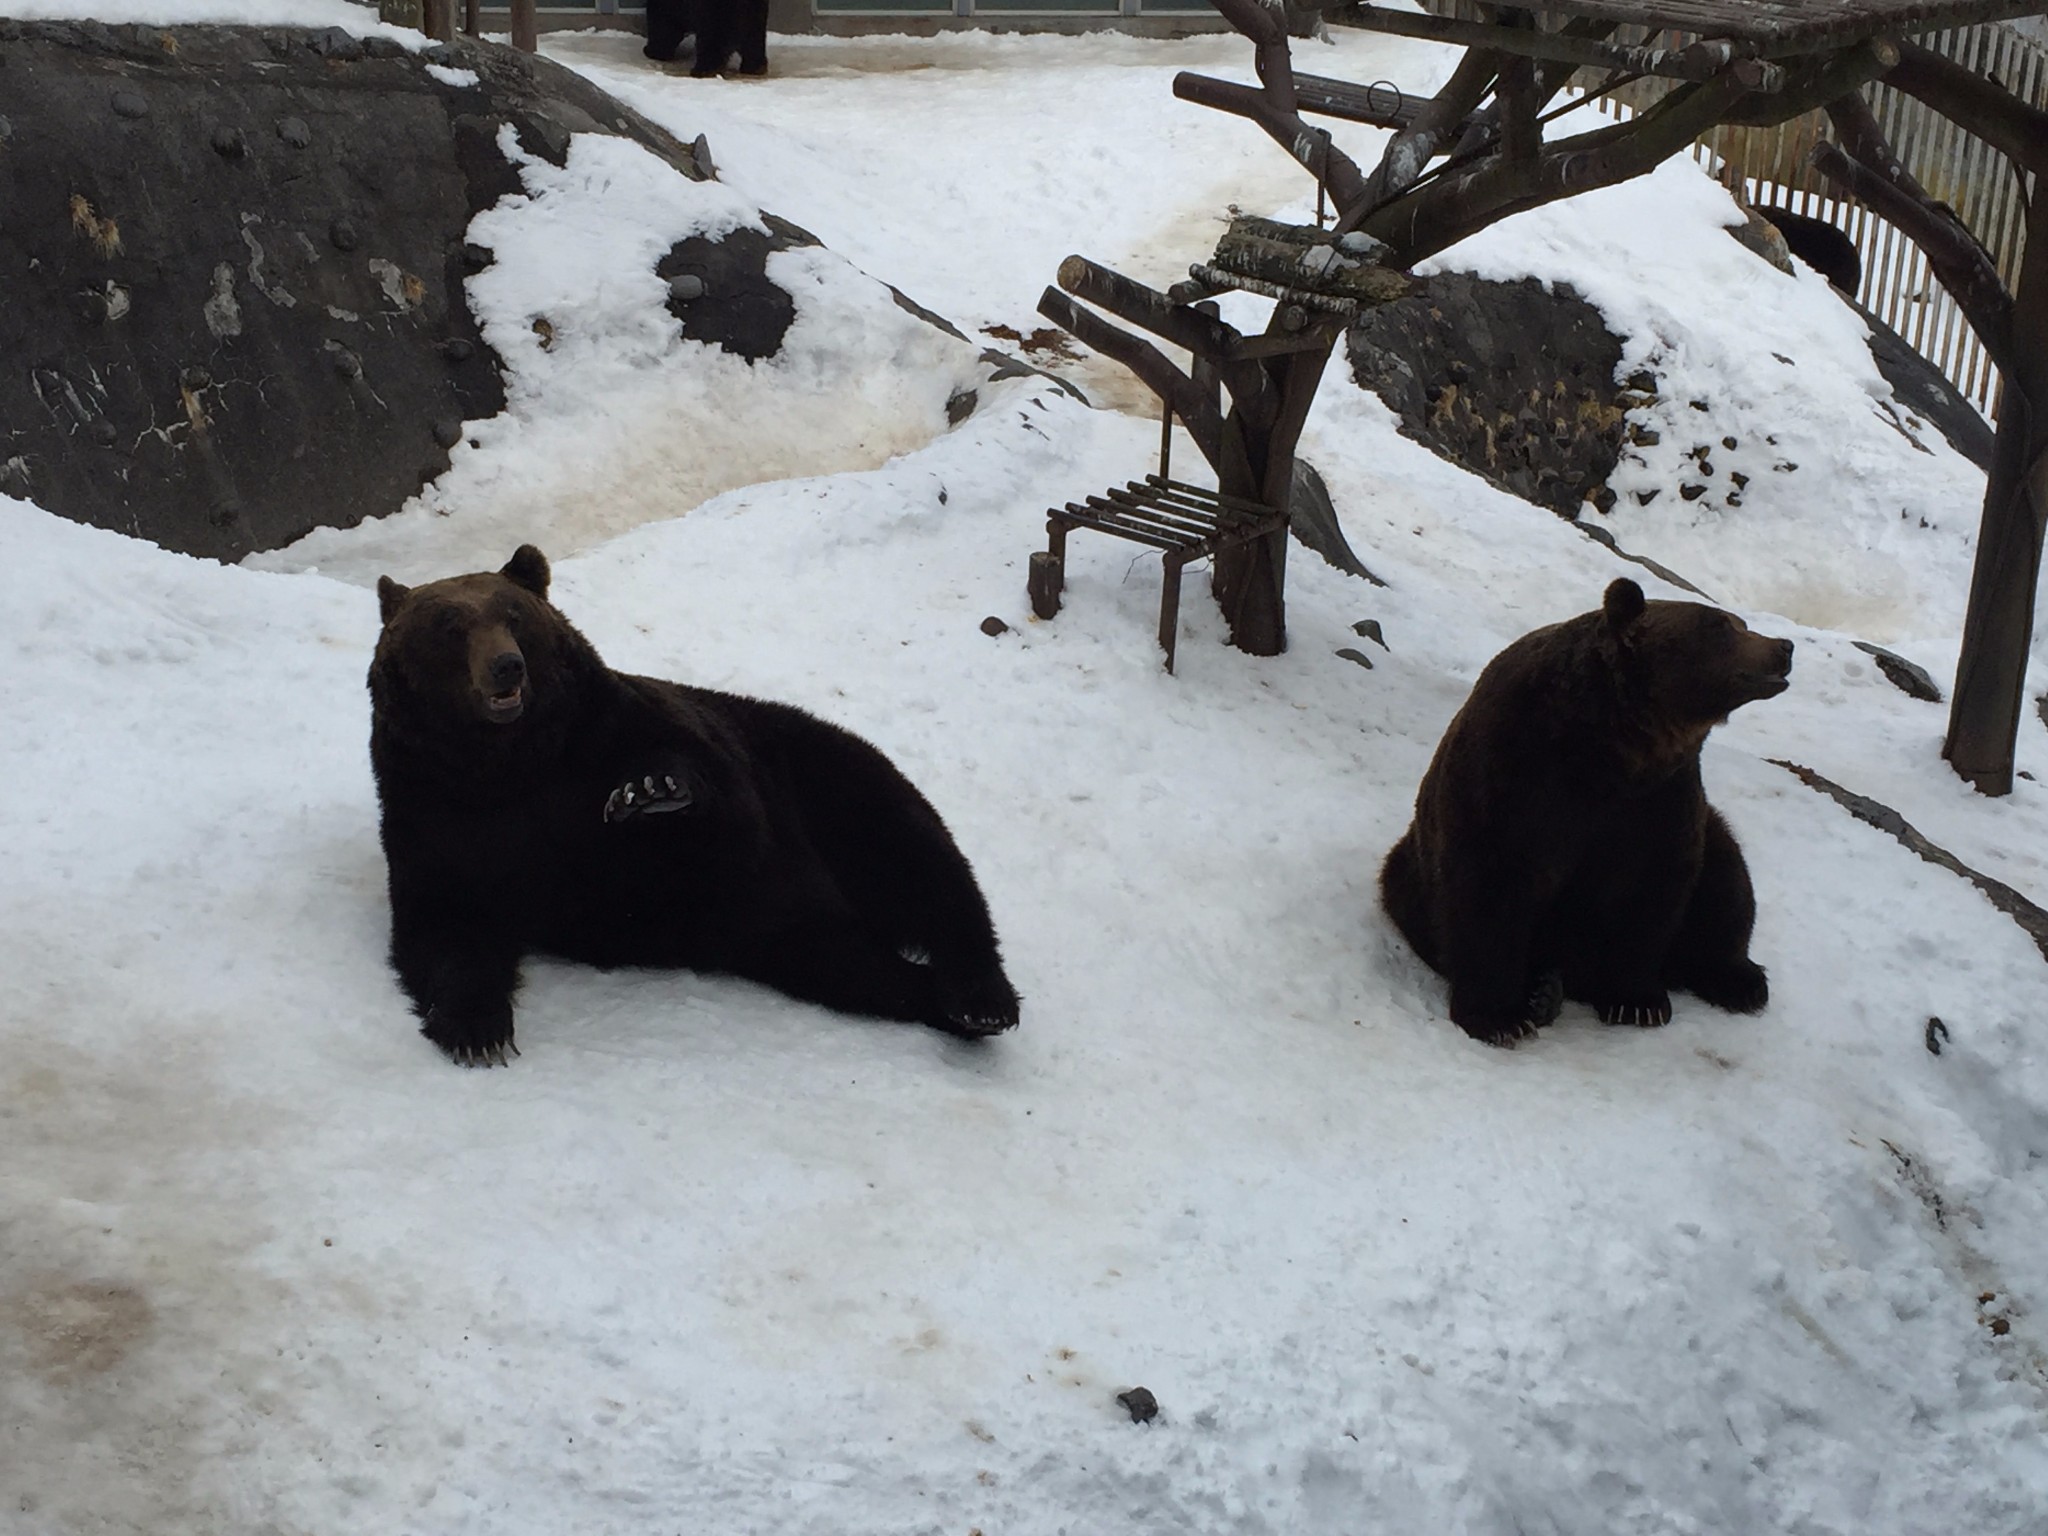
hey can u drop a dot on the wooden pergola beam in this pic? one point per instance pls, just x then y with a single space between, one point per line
1697 61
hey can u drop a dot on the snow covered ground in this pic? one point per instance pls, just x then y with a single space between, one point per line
705 1260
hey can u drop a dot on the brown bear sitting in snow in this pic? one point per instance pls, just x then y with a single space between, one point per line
535 800
1563 845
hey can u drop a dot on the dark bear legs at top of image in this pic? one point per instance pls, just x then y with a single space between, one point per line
668 23
721 27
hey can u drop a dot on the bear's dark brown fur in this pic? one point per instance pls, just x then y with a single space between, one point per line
535 800
1563 845
722 28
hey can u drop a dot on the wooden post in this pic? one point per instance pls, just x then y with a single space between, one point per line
1998 630
472 21
1250 581
402 13
1043 578
525 27
438 20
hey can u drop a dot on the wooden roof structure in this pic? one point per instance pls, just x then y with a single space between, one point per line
1781 27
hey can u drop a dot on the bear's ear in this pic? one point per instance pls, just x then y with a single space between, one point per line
529 568
1623 603
389 595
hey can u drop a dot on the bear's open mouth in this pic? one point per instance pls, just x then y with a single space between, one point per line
504 708
1769 680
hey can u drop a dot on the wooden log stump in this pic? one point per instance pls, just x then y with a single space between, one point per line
1043 580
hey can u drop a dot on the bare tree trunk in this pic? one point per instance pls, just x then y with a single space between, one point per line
1249 581
1998 632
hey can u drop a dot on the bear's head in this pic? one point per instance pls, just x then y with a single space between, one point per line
470 650
1688 666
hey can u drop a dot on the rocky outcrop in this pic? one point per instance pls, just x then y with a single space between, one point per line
1515 382
1512 380
232 264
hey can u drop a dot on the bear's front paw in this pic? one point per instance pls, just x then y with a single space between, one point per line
471 1039
650 794
1646 1011
1489 1027
985 1006
1739 986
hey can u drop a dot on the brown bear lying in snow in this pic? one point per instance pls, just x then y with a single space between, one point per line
535 800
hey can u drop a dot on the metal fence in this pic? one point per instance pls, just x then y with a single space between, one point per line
1955 167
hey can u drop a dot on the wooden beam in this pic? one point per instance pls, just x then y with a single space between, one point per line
1186 398
1311 150
1698 61
1998 629
1981 106
1381 106
1865 167
1408 154
1453 206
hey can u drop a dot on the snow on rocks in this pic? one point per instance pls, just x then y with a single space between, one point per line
613 418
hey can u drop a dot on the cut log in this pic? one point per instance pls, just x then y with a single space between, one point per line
1308 261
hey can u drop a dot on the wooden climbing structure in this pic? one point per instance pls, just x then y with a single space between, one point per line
1243 402
1477 151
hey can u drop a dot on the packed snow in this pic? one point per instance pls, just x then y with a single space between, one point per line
708 1260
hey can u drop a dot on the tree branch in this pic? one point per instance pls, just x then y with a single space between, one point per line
1877 179
1551 77
1408 154
1980 105
1815 85
1310 147
1454 206
1203 336
1197 413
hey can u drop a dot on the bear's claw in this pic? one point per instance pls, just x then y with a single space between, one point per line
1643 1013
483 1055
470 1043
985 1006
648 795
1504 1034
978 1026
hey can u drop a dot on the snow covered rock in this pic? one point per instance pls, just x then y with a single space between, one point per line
250 276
